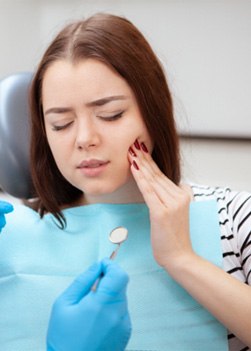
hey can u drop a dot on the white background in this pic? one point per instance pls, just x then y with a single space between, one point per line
205 46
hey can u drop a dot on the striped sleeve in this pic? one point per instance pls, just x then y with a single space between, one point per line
240 209
234 210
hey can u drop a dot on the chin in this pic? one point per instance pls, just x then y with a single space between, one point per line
105 189
100 192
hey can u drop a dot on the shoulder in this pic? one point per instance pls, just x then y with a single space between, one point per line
233 206
203 192
21 218
24 219
22 212
234 210
235 203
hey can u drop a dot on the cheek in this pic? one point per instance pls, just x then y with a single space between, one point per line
120 154
51 142
59 151
58 144
54 148
145 137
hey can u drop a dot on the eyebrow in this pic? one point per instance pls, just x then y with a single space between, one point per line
99 102
106 100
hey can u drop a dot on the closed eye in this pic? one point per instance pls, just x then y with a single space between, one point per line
113 117
64 126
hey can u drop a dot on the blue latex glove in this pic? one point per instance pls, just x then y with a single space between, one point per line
5 207
86 320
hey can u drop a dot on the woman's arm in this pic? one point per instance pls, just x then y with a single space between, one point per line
223 295
228 299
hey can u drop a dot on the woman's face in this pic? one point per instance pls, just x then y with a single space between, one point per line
91 119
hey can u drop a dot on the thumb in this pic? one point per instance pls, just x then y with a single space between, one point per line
81 286
114 282
5 207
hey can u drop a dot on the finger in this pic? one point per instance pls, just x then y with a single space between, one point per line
5 207
137 154
148 192
155 180
151 171
114 282
2 221
81 286
126 327
160 198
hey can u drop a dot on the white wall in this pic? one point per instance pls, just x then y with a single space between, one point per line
217 162
204 44
205 47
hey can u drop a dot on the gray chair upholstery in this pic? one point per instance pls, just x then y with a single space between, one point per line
15 136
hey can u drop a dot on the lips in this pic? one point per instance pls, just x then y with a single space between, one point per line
92 163
93 168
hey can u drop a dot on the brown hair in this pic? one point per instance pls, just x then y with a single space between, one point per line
116 42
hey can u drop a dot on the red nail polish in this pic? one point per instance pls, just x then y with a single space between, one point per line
144 148
132 152
136 143
135 165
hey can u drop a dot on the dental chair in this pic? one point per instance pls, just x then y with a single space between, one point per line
15 136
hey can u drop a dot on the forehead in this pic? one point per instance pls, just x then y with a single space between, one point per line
87 78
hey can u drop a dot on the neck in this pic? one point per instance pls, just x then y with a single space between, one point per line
128 193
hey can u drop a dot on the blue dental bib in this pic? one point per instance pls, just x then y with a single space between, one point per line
38 261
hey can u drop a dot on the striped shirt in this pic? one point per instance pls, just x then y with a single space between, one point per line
234 210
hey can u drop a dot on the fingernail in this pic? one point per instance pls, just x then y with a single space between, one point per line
135 165
132 152
136 143
144 148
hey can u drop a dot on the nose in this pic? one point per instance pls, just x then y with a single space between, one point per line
87 134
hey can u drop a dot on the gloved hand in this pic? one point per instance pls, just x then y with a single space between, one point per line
86 320
5 207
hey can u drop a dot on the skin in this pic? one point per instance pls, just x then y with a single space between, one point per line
225 297
68 94
134 177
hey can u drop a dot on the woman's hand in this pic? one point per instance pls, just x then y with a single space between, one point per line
168 206
5 207
227 298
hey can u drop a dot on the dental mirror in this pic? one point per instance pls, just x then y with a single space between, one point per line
117 236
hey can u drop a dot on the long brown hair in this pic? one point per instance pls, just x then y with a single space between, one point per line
116 42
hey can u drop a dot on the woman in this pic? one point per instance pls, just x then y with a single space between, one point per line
104 153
